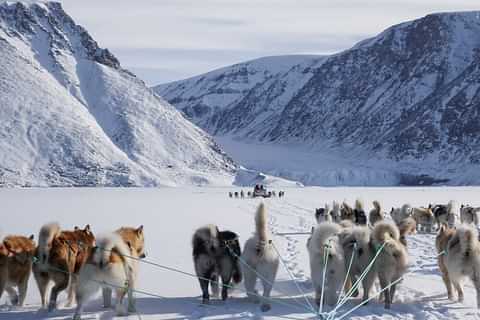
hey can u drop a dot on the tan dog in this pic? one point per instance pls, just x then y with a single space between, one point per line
392 262
16 255
59 255
424 218
112 265
443 237
407 227
346 212
461 259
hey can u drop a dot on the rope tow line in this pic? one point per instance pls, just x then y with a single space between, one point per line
312 309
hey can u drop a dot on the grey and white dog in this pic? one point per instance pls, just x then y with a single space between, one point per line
215 255
469 214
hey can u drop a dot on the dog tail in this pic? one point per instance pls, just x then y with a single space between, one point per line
359 205
450 206
468 236
109 246
377 206
47 234
261 223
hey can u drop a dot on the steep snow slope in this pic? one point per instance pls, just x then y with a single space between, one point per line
168 295
72 116
406 100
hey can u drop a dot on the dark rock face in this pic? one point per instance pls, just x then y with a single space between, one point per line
411 93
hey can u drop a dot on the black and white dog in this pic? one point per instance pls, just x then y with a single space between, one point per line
215 254
444 213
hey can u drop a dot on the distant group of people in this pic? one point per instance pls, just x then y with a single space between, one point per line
258 191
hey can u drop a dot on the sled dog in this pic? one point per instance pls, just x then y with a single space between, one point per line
399 214
261 259
112 265
325 242
444 214
357 245
376 213
359 213
215 254
346 212
59 255
469 215
461 259
424 219
16 254
323 214
392 261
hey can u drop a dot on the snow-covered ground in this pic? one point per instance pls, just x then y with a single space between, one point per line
171 214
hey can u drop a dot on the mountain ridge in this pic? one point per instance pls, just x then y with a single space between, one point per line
405 99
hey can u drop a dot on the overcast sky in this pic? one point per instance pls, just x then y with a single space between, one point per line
165 40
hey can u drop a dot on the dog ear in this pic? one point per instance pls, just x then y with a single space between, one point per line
31 237
140 229
87 228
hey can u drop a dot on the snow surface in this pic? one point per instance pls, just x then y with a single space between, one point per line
170 216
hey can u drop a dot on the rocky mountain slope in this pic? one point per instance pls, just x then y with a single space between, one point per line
71 116
407 101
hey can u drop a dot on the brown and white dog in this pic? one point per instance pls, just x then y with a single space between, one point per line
59 255
459 258
16 255
112 265
346 212
392 261
407 227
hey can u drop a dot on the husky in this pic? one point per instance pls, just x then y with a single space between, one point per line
261 259
469 215
230 194
407 227
59 255
424 219
346 212
462 259
236 194
335 213
325 242
215 254
399 214
16 255
357 245
444 214
392 261
112 265
359 213
323 214
375 214
445 234
242 194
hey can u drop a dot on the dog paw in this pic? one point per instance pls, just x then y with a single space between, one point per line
265 307
206 301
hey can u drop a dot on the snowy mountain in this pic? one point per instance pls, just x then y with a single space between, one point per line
400 108
72 116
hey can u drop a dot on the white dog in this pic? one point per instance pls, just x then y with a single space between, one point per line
261 258
462 259
110 268
400 214
326 255
469 215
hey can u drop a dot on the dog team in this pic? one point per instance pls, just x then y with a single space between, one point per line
73 260
372 249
